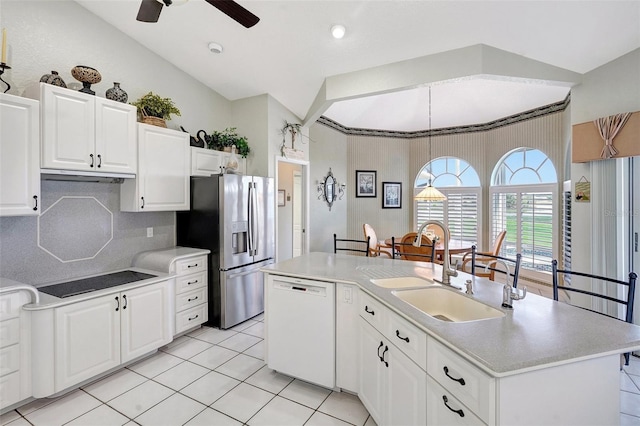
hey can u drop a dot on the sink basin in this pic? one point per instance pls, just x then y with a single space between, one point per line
403 282
447 305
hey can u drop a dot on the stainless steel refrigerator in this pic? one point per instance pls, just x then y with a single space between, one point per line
233 216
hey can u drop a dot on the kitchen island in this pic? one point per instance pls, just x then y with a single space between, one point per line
540 354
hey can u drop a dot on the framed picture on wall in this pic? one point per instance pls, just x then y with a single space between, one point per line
391 195
366 183
281 200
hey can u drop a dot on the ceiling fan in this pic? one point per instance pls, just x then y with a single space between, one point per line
150 11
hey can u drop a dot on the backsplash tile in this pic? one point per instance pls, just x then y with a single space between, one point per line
78 228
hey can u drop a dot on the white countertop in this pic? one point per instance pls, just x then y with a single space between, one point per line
537 333
162 260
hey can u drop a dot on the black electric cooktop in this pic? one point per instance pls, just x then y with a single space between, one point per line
87 285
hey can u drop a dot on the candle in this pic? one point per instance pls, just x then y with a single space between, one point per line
4 45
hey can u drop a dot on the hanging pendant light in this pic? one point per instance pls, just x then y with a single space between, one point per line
430 193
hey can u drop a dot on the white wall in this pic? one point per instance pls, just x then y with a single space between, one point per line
610 89
58 35
328 149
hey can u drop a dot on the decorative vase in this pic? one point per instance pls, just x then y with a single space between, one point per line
232 162
117 94
53 79
87 76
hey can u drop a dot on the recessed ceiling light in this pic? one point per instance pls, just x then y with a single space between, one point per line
337 31
215 47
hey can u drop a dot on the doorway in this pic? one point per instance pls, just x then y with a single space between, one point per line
291 212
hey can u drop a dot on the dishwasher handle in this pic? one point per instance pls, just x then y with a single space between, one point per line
301 288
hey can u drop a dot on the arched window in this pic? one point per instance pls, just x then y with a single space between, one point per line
523 196
460 212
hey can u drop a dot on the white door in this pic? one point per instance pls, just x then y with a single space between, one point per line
146 320
298 205
68 129
406 390
372 377
87 339
634 215
19 156
115 138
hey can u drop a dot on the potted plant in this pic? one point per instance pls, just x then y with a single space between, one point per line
224 140
155 109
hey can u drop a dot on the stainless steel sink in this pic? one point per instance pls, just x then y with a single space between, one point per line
403 282
447 305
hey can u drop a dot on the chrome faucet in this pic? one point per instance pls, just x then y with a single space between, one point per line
509 294
447 272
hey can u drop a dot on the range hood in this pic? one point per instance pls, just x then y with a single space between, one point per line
84 176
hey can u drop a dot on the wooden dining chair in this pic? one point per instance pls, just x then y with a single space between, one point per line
489 255
425 253
376 248
610 286
350 245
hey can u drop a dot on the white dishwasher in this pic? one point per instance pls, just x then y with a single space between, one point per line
300 321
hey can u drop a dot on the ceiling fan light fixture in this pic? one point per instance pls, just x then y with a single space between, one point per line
338 31
215 47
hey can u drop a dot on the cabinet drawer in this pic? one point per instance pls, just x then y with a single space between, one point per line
191 299
190 266
472 387
9 359
408 338
445 409
191 317
9 332
190 282
372 311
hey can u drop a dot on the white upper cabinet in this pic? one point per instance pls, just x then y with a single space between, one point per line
207 162
19 156
86 133
162 183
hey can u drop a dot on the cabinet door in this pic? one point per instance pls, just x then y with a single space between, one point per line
406 390
68 129
446 410
371 371
205 162
163 172
19 156
87 339
116 148
146 321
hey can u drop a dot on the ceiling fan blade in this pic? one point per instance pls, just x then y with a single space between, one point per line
149 11
236 12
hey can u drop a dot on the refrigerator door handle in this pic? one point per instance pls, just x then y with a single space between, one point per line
255 235
250 217
241 274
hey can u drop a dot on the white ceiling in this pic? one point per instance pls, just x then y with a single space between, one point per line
290 52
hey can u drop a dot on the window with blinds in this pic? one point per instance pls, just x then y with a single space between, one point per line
459 212
566 233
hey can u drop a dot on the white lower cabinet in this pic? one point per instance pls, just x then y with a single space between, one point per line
444 409
347 342
98 334
15 348
392 387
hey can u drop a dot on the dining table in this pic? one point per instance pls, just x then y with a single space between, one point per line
455 246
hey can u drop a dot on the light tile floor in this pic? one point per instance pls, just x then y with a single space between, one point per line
218 377
208 377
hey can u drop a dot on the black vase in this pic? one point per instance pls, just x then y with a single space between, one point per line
117 94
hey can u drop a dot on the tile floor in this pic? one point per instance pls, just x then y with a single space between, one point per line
208 377
218 377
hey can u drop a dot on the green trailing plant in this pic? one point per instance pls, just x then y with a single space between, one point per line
156 106
227 138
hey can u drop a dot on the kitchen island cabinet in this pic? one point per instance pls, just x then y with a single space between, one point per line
19 156
477 372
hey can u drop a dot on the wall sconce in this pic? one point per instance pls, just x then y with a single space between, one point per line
329 189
